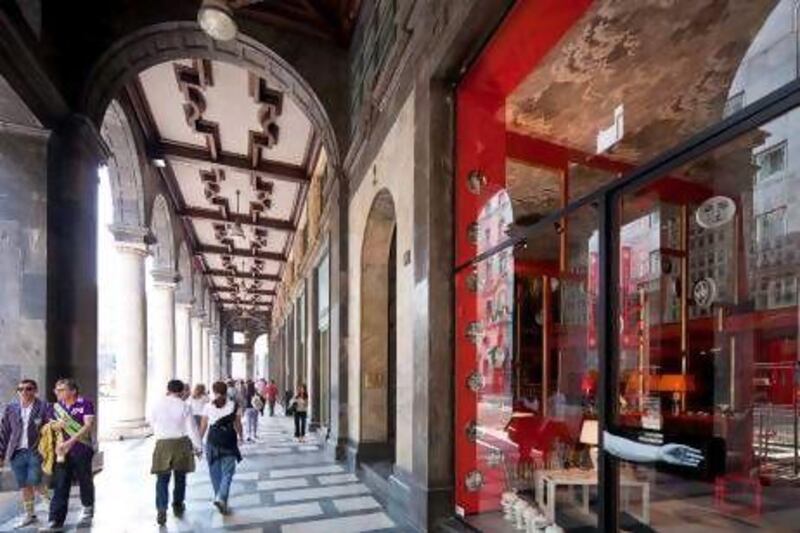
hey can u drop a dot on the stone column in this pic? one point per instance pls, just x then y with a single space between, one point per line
204 353
336 445
131 346
197 351
183 341
74 153
215 367
162 305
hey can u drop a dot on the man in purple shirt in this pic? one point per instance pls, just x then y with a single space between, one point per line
75 415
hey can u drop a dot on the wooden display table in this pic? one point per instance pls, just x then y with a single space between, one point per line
547 481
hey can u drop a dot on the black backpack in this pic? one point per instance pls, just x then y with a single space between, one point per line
222 433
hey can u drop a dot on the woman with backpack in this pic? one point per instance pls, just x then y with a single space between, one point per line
222 431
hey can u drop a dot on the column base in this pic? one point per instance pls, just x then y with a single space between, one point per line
135 429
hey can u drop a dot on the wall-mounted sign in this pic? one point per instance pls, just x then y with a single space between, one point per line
608 137
715 212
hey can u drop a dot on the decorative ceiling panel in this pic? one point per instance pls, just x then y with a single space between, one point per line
238 153
215 262
282 194
221 233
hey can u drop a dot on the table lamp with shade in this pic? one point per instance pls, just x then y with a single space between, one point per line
589 431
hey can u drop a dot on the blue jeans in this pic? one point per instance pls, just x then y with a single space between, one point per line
162 489
221 468
27 467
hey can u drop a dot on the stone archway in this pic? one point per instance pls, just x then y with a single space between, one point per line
124 330
124 169
377 341
169 41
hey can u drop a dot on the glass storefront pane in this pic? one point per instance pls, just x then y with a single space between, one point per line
709 261
566 98
528 354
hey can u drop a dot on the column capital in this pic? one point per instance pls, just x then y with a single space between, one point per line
165 278
130 238
184 301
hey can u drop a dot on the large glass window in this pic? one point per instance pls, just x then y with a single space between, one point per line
567 98
708 347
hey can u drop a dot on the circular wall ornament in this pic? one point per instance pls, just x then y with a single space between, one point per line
472 282
474 332
476 181
474 481
494 458
705 292
475 382
715 212
472 233
471 431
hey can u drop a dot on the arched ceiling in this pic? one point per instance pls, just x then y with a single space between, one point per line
238 154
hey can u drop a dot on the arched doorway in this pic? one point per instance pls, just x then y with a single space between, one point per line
377 335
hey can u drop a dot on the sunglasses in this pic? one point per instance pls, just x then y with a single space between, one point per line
25 388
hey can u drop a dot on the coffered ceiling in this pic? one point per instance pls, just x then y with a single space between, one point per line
237 155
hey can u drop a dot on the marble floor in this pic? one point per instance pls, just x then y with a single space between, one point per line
281 486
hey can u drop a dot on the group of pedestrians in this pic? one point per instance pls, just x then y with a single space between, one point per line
37 437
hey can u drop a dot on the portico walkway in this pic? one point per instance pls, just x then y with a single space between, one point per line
280 486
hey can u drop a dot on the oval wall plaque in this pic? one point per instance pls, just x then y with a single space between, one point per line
715 212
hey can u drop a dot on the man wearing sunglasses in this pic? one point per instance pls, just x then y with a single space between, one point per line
19 440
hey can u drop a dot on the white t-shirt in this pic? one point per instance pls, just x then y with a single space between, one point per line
26 416
214 413
171 418
197 404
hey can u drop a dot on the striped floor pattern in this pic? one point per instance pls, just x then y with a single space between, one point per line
281 486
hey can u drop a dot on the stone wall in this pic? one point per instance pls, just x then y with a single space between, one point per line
393 170
23 244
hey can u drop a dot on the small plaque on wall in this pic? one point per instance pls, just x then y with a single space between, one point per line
373 380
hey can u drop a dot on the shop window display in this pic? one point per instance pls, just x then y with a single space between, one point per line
703 397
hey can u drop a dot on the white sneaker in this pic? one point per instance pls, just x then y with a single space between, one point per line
87 513
26 520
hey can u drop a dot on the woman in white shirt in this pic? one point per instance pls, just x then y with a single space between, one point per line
222 431
197 402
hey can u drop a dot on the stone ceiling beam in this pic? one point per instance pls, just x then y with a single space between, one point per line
239 163
236 252
214 215
240 275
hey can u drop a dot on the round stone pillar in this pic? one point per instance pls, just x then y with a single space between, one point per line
215 365
204 354
131 338
183 341
162 305
197 351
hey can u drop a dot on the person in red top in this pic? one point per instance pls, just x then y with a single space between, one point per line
272 396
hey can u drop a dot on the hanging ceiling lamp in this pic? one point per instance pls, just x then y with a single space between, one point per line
237 230
216 19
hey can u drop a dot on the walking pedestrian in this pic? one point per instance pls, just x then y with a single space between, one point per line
272 396
75 417
177 443
300 404
198 402
19 440
222 431
253 403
